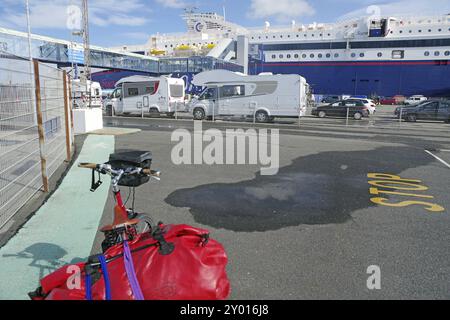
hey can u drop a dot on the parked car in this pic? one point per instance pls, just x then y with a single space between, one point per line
414 100
431 110
388 101
399 99
331 99
263 97
370 104
139 94
356 109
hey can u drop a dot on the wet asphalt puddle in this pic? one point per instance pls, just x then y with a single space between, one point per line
323 188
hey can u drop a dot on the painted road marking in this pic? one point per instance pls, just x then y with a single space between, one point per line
393 182
439 159
61 232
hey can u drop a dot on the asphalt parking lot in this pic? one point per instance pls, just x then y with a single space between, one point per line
312 230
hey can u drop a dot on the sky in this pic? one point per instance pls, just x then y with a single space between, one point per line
119 22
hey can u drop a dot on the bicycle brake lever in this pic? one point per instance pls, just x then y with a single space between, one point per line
95 185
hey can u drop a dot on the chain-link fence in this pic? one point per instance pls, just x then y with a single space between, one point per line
35 135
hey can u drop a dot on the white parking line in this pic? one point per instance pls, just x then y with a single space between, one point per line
437 158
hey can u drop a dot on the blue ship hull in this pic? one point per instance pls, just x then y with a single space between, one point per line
389 78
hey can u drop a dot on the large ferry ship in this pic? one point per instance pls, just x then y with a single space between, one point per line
383 56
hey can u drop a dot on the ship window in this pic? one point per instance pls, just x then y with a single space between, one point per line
447 53
288 56
398 54
328 55
320 35
298 35
401 31
440 30
274 56
303 56
353 55
312 55
437 53
429 30
410 31
336 55
361 54
281 56
296 56
380 54
320 55
420 31
427 53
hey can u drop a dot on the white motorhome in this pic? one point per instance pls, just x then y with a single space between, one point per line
140 94
263 96
86 94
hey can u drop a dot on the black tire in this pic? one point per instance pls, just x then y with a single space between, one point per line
153 112
411 118
322 114
358 116
262 117
109 110
199 114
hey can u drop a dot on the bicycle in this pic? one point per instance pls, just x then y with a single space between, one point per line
127 223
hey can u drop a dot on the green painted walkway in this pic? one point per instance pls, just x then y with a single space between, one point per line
63 229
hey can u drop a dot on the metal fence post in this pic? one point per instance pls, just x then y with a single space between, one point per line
40 126
346 119
67 117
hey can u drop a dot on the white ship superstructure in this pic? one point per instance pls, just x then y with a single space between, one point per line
326 54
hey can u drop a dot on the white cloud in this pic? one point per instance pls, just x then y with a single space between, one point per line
282 10
53 13
173 3
402 7
136 35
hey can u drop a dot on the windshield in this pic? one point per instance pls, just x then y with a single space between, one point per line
117 93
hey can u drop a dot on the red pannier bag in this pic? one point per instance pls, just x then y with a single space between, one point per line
179 262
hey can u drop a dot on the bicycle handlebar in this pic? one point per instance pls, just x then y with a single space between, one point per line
87 165
94 166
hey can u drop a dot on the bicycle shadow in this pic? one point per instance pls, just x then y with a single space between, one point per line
47 257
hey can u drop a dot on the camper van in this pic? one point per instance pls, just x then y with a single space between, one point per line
81 96
140 94
262 97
